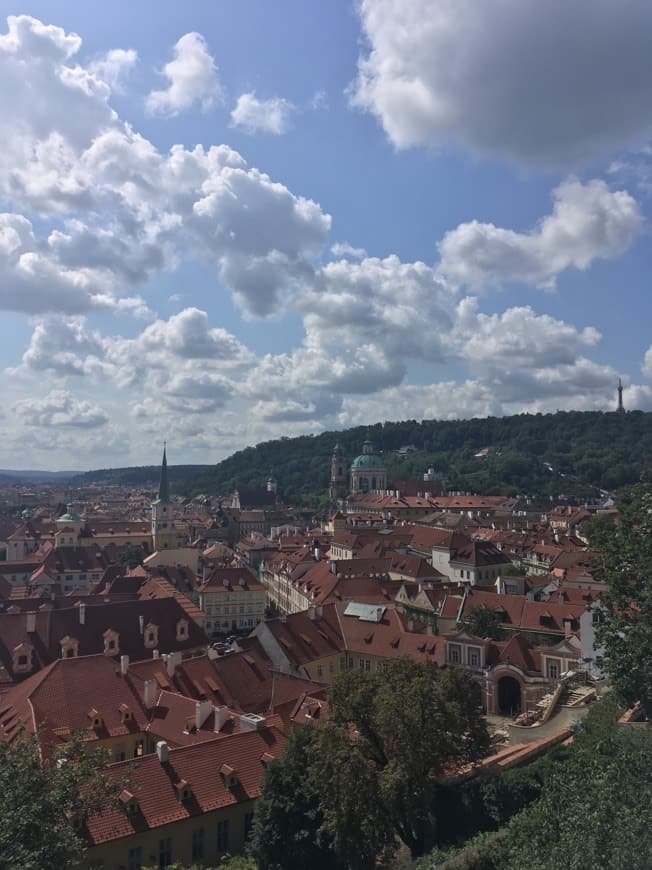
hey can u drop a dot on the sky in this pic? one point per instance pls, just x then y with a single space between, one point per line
227 222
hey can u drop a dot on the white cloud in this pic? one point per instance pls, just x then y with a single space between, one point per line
192 78
553 82
647 363
61 408
114 67
119 210
345 250
262 116
518 337
588 222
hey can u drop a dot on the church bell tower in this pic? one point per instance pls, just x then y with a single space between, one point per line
338 483
162 526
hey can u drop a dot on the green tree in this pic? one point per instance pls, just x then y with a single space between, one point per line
626 629
132 556
595 811
287 832
483 622
46 802
412 722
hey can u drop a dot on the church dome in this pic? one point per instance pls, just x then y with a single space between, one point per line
367 460
69 518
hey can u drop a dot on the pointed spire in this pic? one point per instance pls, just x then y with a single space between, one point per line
164 485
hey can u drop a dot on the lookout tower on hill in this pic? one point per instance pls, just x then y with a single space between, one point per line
621 407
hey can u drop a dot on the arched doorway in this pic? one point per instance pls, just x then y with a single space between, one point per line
509 696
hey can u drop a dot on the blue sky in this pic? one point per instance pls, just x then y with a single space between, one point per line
411 208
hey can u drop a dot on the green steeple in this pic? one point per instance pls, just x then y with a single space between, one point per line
164 485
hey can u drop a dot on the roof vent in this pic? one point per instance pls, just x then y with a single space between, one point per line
252 722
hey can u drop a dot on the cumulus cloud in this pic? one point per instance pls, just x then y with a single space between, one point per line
114 67
262 116
647 362
192 78
61 408
120 210
552 82
588 221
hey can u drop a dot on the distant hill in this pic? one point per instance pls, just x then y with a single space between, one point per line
572 453
144 475
29 476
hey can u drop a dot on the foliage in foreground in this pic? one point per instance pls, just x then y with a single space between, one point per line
45 803
626 631
359 794
595 810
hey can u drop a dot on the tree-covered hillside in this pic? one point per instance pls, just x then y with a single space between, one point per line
572 453
143 475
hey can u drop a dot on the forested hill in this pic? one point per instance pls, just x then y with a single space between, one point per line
573 453
143 475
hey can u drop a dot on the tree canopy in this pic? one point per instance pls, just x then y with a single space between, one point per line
46 802
626 628
483 622
367 779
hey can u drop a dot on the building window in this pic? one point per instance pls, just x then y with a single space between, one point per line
135 858
320 671
165 852
198 844
223 836
474 658
248 824
454 655
553 670
343 663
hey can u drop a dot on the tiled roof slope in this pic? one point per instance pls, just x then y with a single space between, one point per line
153 782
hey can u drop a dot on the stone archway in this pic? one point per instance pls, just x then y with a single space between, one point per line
510 696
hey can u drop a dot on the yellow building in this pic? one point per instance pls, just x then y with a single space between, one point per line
187 805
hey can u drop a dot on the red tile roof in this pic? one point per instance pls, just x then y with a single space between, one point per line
153 782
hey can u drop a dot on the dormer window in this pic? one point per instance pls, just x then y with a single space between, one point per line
128 801
229 776
111 642
22 658
184 792
125 713
69 647
96 718
182 629
151 635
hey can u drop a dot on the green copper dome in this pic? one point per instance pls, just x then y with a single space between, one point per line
367 460
69 518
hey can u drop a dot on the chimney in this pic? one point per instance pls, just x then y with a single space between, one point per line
222 716
149 693
162 751
317 554
410 625
320 611
30 625
202 712
82 614
141 624
156 654
173 659
124 665
312 612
